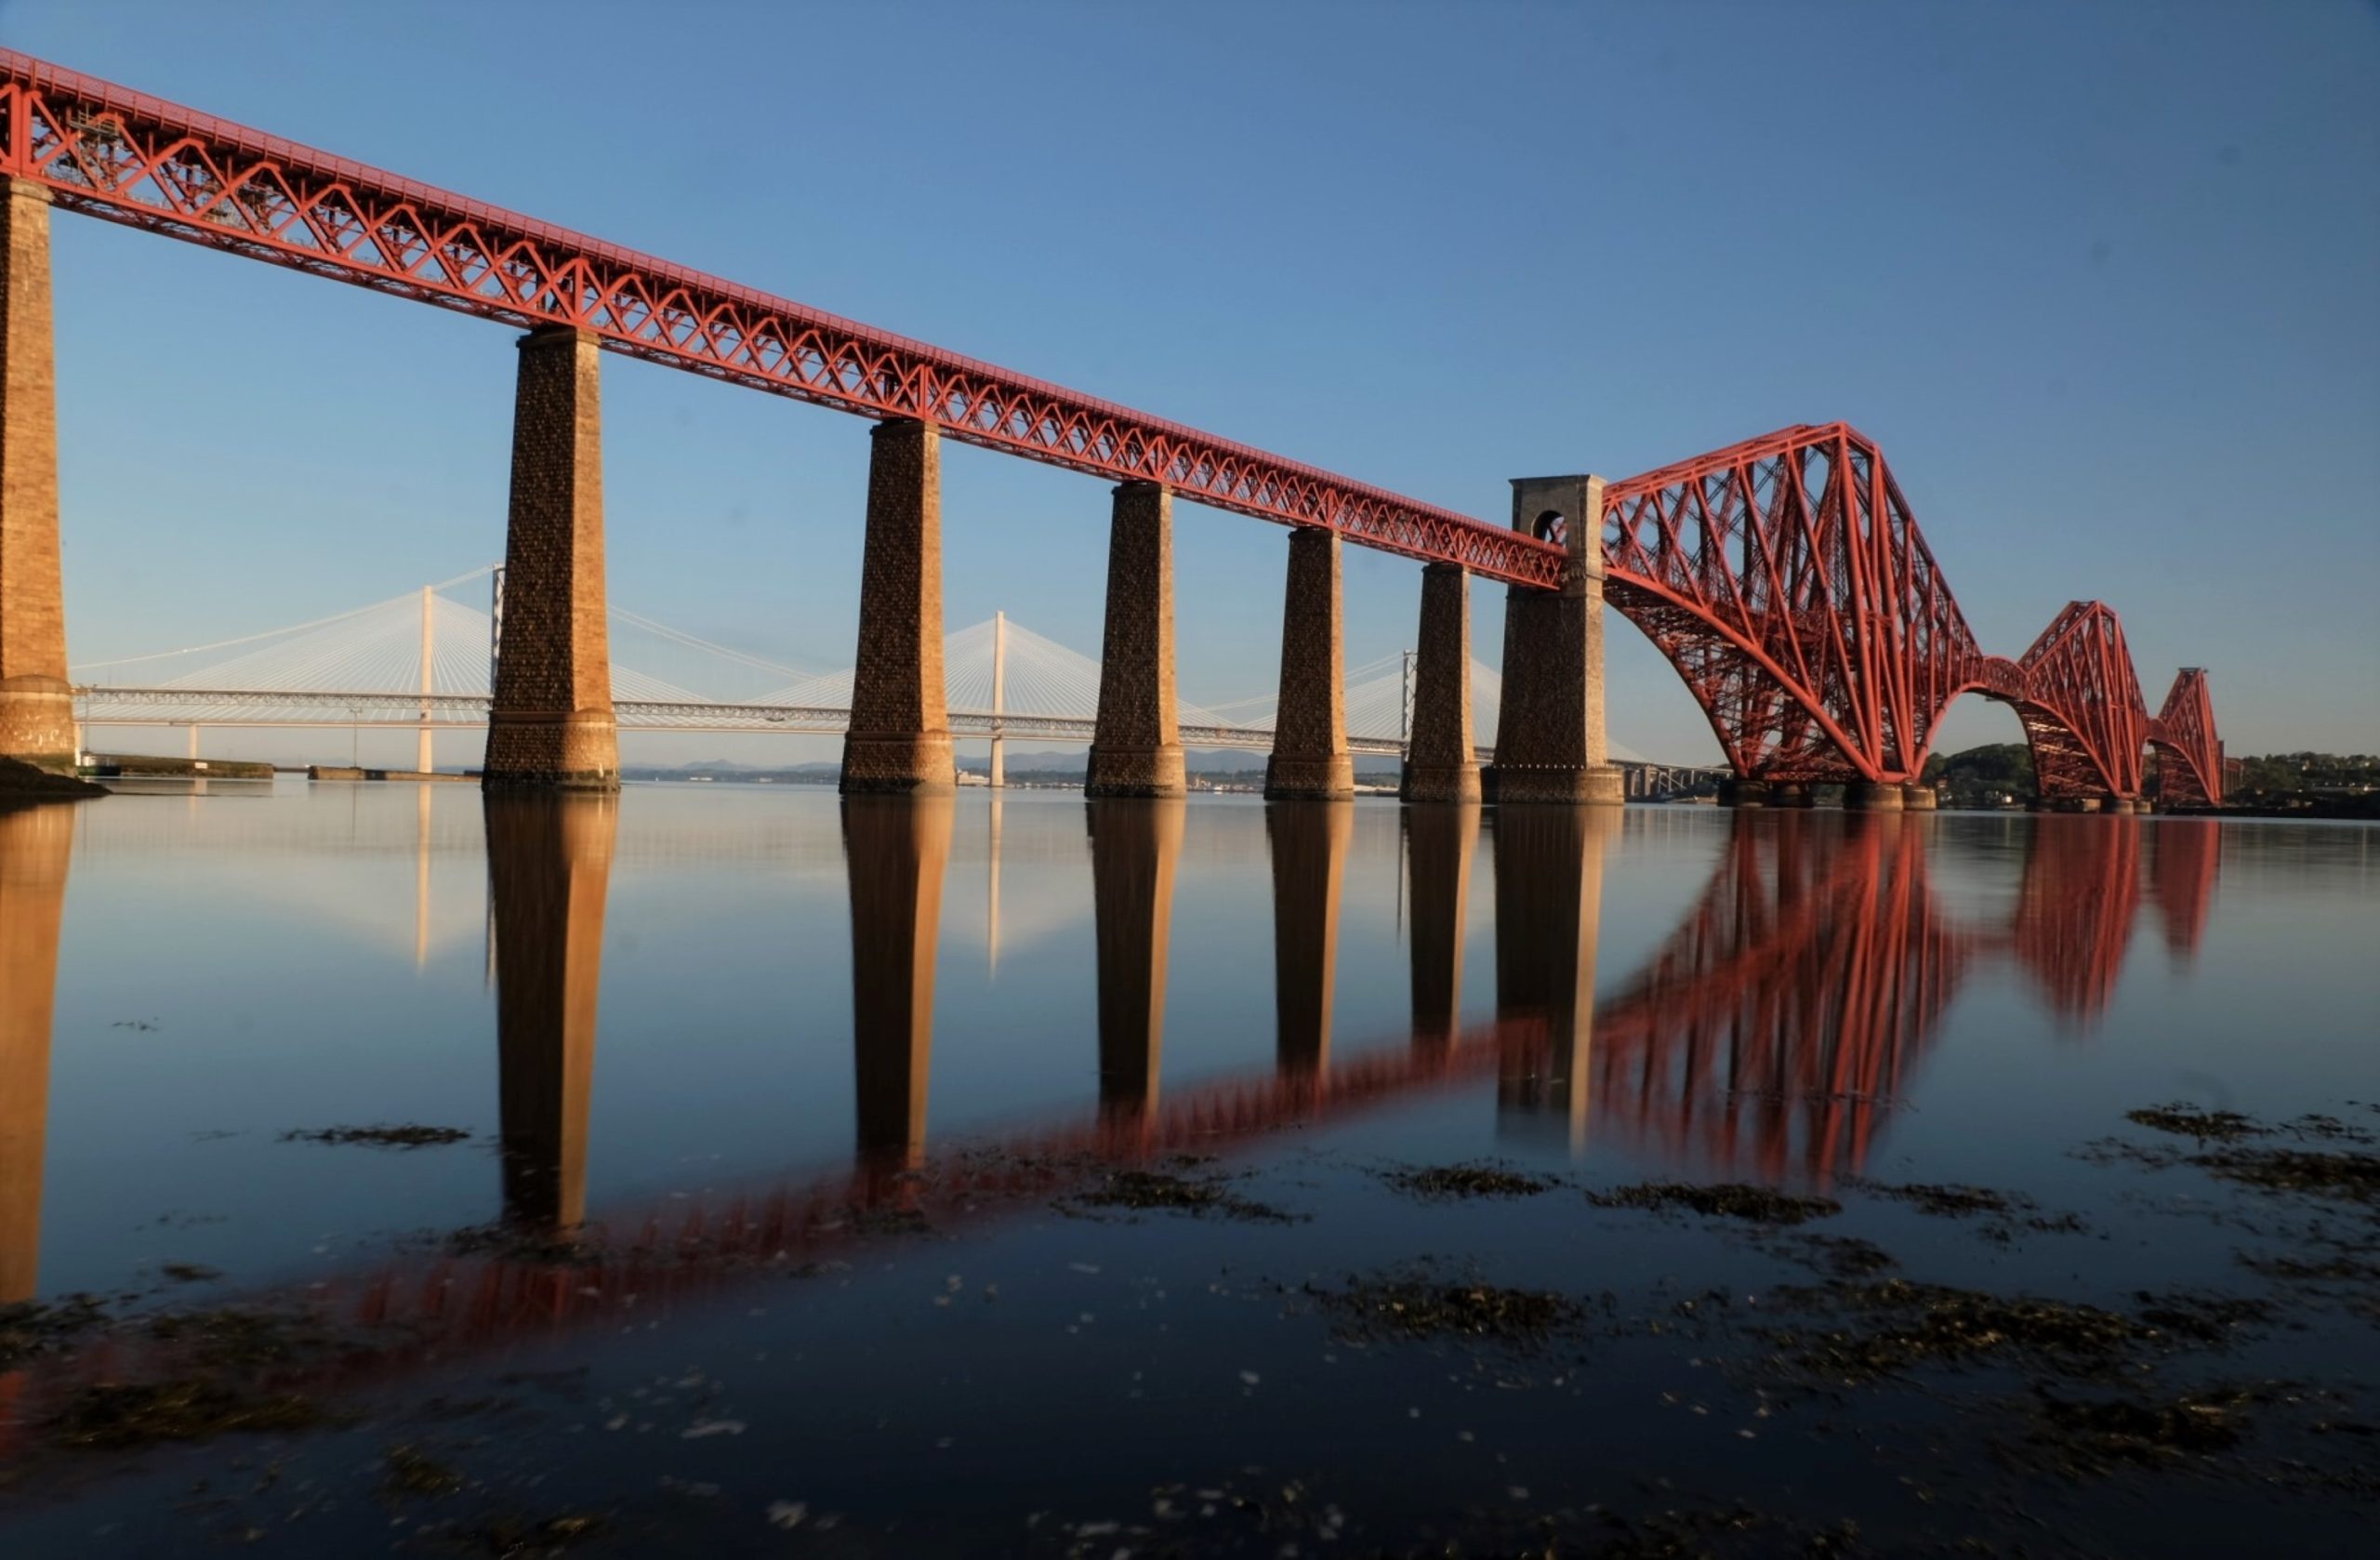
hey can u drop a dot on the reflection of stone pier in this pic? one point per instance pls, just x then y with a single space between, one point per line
549 868
1549 906
895 851
1309 846
1134 846
36 844
1439 844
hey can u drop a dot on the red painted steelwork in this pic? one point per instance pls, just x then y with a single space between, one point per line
122 155
1786 579
2189 757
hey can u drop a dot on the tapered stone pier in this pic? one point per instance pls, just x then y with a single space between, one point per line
1136 748
551 726
36 710
1310 759
1441 760
899 742
1549 742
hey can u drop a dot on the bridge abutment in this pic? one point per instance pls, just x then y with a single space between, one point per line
1134 846
1550 744
37 708
1136 749
1735 792
899 741
1792 793
1310 759
1441 759
1917 797
550 726
550 871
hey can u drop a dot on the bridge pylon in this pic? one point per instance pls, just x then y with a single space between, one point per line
551 726
1549 744
37 708
899 741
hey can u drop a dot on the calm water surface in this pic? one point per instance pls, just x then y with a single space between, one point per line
780 1116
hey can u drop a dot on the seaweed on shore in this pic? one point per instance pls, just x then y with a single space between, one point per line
32 1329
2183 1120
1725 1199
1143 1191
1892 1325
1419 1308
1477 1179
115 1414
2091 1436
407 1135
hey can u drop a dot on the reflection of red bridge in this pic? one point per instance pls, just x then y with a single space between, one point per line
1778 1023
1784 1016
1786 579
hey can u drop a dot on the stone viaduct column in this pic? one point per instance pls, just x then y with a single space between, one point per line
1134 846
1549 912
36 711
895 854
1439 844
1309 846
1550 731
899 742
551 726
549 872
1310 759
36 846
1136 751
1442 764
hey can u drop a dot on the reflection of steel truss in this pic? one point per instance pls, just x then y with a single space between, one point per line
1781 1020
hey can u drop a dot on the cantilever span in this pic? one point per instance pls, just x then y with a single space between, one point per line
1786 579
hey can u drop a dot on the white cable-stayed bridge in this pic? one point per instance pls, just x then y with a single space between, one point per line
424 662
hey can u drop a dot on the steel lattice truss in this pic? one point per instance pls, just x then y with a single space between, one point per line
122 155
1786 580
2081 705
2189 755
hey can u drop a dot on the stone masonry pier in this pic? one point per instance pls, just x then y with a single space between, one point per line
36 710
551 727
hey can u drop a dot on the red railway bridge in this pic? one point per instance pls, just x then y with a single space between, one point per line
1785 578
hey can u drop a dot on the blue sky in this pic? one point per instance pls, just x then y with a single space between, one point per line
2103 281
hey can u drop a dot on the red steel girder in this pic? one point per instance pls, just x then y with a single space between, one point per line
2081 707
2189 755
1786 579
112 152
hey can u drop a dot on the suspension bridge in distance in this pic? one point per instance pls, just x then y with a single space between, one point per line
424 662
